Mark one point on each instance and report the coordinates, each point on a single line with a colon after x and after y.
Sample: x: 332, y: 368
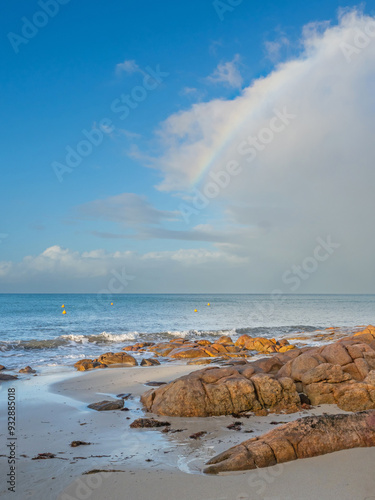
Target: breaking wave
x: 104, y: 338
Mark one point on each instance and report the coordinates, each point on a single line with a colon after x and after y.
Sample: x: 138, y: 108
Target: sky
x: 187, y: 147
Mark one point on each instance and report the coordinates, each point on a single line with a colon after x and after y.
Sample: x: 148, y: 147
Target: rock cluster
x: 341, y: 373
x: 197, y: 351
x: 303, y: 438
x: 224, y: 347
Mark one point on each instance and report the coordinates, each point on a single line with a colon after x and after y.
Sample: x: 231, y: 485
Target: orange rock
x: 286, y: 348
x: 203, y: 342
x: 303, y: 438
x: 186, y: 352
x: 88, y: 364
x: 120, y: 358
x: 241, y: 341
x: 210, y: 351
x: 219, y: 348
x: 225, y: 339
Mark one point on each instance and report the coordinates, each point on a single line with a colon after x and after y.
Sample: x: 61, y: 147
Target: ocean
x: 35, y: 332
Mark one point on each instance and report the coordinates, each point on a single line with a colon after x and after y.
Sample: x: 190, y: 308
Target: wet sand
x: 52, y: 411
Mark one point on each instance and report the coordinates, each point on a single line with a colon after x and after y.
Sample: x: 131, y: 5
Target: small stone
x: 236, y: 426
x: 149, y: 362
x: 198, y: 435
x: 141, y: 423
x: 44, y: 456
x: 74, y: 444
x: 107, y: 405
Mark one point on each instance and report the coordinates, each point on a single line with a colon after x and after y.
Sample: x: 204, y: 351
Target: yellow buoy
x: 111, y: 303
x: 195, y: 310
x: 63, y: 305
x: 208, y: 304
x: 64, y: 312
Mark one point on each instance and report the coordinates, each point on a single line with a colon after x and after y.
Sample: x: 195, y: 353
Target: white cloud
x: 128, y: 66
x: 274, y: 47
x: 58, y: 269
x: 188, y: 91
x: 227, y: 73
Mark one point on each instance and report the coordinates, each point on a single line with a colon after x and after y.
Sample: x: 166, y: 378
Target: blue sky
x: 126, y: 195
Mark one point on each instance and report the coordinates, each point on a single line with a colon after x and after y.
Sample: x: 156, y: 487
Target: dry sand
x: 52, y: 411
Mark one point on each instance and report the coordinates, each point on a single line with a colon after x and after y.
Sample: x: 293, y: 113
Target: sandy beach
x: 52, y: 412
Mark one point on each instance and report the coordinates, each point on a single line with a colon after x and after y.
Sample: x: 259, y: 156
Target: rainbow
x: 230, y: 131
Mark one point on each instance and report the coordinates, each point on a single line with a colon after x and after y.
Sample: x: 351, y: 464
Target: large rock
x: 303, y: 438
x: 117, y: 358
x: 340, y: 373
x: 222, y: 391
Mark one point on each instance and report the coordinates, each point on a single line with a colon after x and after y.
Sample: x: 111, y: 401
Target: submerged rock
x: 303, y: 438
x: 27, y: 369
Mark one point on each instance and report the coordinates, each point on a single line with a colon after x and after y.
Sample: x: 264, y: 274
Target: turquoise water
x: 34, y: 331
